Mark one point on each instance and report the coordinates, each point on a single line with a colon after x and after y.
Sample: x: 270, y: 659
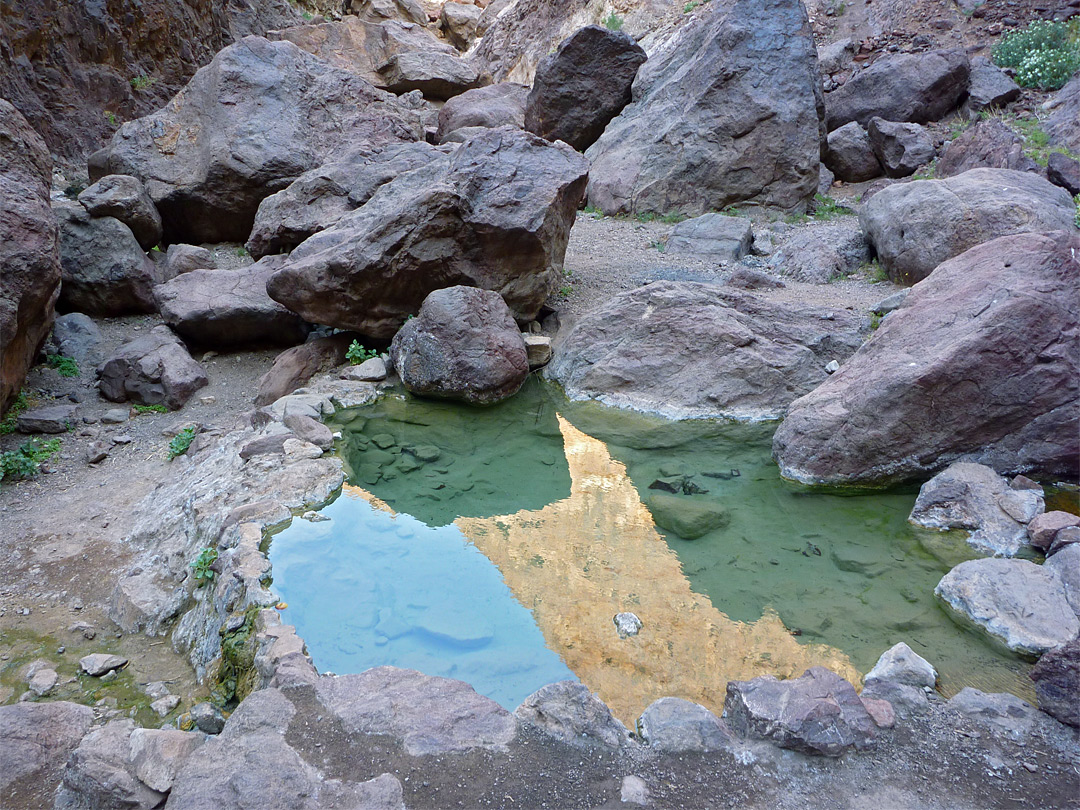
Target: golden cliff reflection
x: 577, y: 562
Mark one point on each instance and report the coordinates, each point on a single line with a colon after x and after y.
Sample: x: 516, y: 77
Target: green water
x: 846, y: 571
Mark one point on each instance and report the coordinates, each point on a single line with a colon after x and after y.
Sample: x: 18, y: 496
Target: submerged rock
x: 463, y: 345
x: 687, y: 518
x: 817, y: 713
x: 971, y: 367
x: 1021, y: 604
x: 974, y: 497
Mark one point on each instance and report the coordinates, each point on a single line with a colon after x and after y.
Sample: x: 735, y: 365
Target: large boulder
x: 437, y: 75
x: 228, y: 308
x: 409, y: 11
x: 1057, y: 683
x: 1063, y: 124
x: 459, y: 22
x: 29, y: 256
x: 728, y: 111
x: 246, y: 125
x: 35, y: 741
x: 76, y: 336
x: 915, y: 87
x: 582, y: 86
x: 496, y: 105
x: 975, y: 498
x: 988, y: 87
x: 817, y: 713
x: 99, y: 773
x: 124, y: 198
x: 980, y: 363
x: 901, y: 664
x: 74, y: 69
x: 989, y: 144
x: 152, y: 370
x: 916, y: 226
x: 688, y: 350
x: 901, y: 148
x: 463, y: 345
x: 850, y: 156
x: 363, y: 46
x: 1019, y: 603
x: 105, y: 271
x: 496, y: 215
x: 319, y: 198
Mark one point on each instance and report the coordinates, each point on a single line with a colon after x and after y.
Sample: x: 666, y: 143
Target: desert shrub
x: 26, y: 461
x: 1044, y: 55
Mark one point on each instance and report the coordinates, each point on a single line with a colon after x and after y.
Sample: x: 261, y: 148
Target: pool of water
x: 495, y: 545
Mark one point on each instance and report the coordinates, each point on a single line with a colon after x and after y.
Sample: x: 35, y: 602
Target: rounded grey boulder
x: 463, y: 345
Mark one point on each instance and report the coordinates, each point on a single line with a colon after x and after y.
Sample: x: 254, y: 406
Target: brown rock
x: 30, y: 279
x: 496, y: 105
x: 1044, y: 528
x: 985, y: 144
x: 973, y: 366
x: 1057, y: 683
x: 294, y: 367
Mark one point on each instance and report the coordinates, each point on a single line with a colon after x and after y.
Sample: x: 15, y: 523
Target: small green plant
x: 26, y: 461
x: 307, y: 15
x: 658, y: 244
x: 181, y: 442
x: 142, y: 82
x: 66, y: 366
x: 875, y: 321
x: 875, y: 272
x: 156, y: 249
x: 592, y: 209
x: 565, y: 290
x: 1043, y: 55
x: 141, y: 409
x: 692, y: 5
x: 826, y: 208
x: 18, y: 405
x: 201, y: 569
x: 357, y: 354
x: 670, y: 218
x: 110, y: 116
x: 241, y: 251
x: 613, y: 22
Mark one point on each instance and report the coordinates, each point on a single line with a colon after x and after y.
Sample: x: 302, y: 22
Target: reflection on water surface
x: 563, y: 501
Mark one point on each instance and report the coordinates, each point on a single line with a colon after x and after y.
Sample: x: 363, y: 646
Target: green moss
x: 236, y: 678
